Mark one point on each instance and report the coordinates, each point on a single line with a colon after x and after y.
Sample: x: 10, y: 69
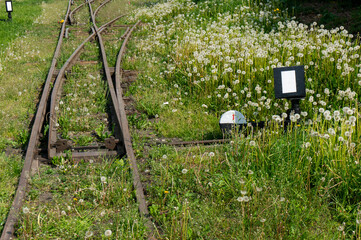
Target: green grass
x: 82, y: 201
x: 10, y: 170
x: 23, y: 15
x: 200, y: 60
x: 27, y: 45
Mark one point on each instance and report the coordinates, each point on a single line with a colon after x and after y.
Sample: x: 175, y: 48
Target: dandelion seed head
x: 108, y: 233
x: 26, y: 210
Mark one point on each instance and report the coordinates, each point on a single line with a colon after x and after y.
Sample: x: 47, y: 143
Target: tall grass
x: 214, y: 56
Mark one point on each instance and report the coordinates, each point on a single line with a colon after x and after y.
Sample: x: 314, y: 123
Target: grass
x: 27, y: 47
x: 82, y: 200
x: 200, y: 60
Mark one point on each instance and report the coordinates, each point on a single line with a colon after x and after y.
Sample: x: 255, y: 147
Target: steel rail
x: 109, y: 79
x: 12, y: 219
x: 143, y: 209
x: 100, y: 6
x: 71, y: 18
x: 58, y: 86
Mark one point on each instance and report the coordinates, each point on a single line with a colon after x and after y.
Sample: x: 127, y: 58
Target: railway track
x: 53, y: 145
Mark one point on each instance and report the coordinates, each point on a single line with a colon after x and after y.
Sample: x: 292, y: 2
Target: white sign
x: 9, y: 7
x: 233, y: 117
x: 289, y: 81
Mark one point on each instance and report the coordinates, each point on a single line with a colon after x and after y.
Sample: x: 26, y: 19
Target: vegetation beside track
x: 27, y: 45
x: 201, y: 58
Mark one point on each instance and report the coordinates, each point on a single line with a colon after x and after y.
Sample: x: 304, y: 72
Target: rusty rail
x: 70, y: 17
x: 58, y: 86
x: 125, y: 145
x: 100, y: 6
x: 143, y: 209
x: 12, y: 219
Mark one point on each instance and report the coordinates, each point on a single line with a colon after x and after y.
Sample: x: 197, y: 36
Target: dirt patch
x: 332, y: 14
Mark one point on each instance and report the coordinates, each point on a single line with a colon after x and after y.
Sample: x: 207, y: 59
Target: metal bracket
x: 111, y: 143
x: 62, y: 145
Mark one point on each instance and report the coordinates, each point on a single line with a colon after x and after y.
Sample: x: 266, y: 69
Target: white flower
x: 26, y: 210
x: 341, y: 228
x: 88, y: 234
x: 108, y: 233
x: 246, y: 199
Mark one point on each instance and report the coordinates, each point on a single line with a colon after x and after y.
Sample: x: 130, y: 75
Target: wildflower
x: 26, y: 210
x: 103, y: 179
x: 331, y: 131
x: 88, y: 234
x: 250, y: 172
x: 63, y: 213
x: 211, y: 154
x: 246, y: 199
x: 108, y: 233
x: 240, y: 199
x: 243, y: 192
x: 341, y: 228
x: 252, y: 143
x: 352, y: 119
x: 262, y: 220
x: 166, y: 192
x: 184, y: 171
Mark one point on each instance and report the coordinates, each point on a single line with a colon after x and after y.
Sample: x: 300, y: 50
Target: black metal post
x: 9, y: 16
x: 295, y: 108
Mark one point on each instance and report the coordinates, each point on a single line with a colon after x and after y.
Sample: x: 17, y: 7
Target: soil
x: 332, y: 14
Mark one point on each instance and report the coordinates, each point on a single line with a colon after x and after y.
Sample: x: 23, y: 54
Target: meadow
x: 202, y: 58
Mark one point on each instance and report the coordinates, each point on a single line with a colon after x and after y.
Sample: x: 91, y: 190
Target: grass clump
x: 85, y: 200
